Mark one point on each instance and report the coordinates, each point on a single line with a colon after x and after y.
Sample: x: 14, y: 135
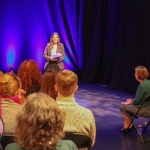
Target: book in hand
x: 56, y: 55
x: 126, y: 103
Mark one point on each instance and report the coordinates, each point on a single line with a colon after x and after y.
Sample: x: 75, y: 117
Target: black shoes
x: 126, y: 130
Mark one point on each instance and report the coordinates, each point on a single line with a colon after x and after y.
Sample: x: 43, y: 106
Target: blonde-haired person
x: 10, y: 94
x: 78, y: 119
x: 54, y: 53
x: 141, y: 75
x: 1, y: 74
x: 30, y: 74
x: 40, y: 126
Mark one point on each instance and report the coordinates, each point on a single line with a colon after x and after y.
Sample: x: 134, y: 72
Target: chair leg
x: 146, y: 126
x: 131, y: 122
x: 140, y: 134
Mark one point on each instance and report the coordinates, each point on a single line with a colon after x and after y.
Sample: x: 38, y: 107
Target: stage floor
x: 104, y: 103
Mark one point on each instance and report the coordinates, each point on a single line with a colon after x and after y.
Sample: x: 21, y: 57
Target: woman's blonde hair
x: 66, y: 81
x: 142, y: 72
x: 9, y: 84
x: 40, y: 123
x: 51, y: 40
x: 1, y: 73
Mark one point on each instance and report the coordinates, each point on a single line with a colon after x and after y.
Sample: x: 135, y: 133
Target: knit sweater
x: 78, y: 118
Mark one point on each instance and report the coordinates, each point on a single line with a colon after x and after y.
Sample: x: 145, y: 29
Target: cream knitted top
x: 78, y: 118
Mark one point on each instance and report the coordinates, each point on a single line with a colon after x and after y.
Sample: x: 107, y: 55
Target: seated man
x: 78, y: 119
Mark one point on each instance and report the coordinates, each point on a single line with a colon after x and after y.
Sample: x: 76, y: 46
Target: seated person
x: 78, y: 119
x: 1, y: 74
x: 40, y: 126
x: 48, y: 82
x: 10, y: 100
x: 30, y: 75
x: 141, y: 75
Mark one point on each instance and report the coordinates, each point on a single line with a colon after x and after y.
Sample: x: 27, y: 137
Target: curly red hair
x: 29, y: 73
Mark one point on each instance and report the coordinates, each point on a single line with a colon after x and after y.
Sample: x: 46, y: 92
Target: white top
x: 53, y: 51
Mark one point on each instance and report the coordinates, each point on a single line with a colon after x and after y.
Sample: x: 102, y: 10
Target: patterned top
x: 78, y: 118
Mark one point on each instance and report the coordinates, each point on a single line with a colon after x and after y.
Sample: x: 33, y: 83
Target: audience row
x: 42, y: 108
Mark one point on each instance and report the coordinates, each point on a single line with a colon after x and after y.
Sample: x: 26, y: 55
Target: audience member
x: 1, y: 74
x: 141, y: 75
x: 48, y: 82
x: 30, y: 75
x: 40, y: 126
x: 10, y: 94
x: 78, y: 119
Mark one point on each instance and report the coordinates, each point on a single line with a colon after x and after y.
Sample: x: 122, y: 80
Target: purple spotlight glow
x: 11, y: 45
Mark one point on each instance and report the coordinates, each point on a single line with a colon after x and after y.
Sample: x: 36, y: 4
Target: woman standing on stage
x: 54, y: 53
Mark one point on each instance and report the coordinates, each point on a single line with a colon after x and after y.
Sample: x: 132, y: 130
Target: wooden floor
x: 104, y: 103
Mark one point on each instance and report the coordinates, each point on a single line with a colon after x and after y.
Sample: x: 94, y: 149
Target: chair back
x: 6, y: 140
x: 145, y: 100
x: 81, y: 140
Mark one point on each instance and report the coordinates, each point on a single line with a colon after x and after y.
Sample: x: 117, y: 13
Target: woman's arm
x: 46, y: 56
x: 139, y: 95
x: 61, y: 51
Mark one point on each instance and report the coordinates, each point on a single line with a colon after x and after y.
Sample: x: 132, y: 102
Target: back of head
x: 142, y: 72
x: 29, y: 72
x: 48, y: 82
x: 40, y: 123
x: 1, y: 74
x: 9, y: 84
x: 66, y: 81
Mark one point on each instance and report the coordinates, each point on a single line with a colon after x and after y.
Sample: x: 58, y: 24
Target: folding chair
x: 145, y: 100
x: 82, y: 141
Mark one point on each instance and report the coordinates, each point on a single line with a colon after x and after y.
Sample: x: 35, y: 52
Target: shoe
x: 133, y: 127
x: 126, y: 130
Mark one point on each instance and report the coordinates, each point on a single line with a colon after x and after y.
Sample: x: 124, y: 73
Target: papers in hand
x: 56, y: 55
x: 125, y: 103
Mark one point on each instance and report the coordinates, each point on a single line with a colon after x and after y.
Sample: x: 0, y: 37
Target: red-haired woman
x: 30, y: 75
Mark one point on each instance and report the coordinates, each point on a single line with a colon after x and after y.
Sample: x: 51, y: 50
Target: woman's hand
x: 129, y: 100
x: 53, y: 59
x: 21, y: 94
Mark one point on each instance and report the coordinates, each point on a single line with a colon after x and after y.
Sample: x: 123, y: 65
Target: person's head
x: 48, y: 82
x: 66, y: 82
x: 1, y: 74
x: 55, y: 38
x: 9, y: 85
x: 141, y: 73
x: 29, y: 73
x: 40, y: 123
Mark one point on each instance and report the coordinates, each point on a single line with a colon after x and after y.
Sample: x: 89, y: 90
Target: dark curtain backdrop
x: 116, y: 40
x: 104, y: 39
